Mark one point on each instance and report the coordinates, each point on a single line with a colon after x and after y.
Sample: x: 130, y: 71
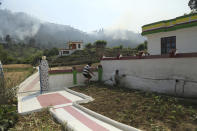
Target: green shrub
x: 8, y: 116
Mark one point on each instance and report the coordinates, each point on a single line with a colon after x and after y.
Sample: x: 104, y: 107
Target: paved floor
x: 61, y: 103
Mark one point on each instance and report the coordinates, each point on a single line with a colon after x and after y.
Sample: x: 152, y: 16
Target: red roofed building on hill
x: 72, y: 46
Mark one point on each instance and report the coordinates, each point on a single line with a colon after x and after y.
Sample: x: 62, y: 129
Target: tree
x: 100, y: 44
x: 88, y: 46
x: 142, y: 46
x: 32, y: 42
x: 34, y: 60
x: 51, y: 52
x: 8, y: 39
x: 121, y: 47
x: 193, y: 4
x: 3, y: 55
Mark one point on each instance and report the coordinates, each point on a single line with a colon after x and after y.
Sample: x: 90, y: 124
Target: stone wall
x: 173, y: 76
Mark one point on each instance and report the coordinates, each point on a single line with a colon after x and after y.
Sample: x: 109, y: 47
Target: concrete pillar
x: 74, y: 75
x: 100, y: 73
x: 1, y: 74
x: 44, y: 76
x: 2, y: 84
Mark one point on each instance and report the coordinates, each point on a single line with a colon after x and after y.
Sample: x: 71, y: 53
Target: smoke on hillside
x: 23, y: 27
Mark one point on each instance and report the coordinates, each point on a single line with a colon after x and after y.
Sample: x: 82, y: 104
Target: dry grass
x: 16, y: 73
x: 146, y: 111
x: 40, y: 121
x: 14, y: 78
x: 17, y: 66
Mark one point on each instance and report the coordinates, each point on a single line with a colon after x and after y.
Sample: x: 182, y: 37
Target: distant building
x: 72, y: 46
x: 176, y: 34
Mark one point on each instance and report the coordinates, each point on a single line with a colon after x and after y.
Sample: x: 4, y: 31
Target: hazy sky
x: 89, y: 15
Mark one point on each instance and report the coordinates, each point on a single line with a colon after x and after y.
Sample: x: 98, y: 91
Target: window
x: 79, y: 46
x: 65, y: 52
x: 167, y: 44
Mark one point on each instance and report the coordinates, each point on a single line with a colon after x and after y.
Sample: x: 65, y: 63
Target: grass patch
x: 13, y: 77
x: 8, y: 116
x: 39, y: 121
x: 146, y: 111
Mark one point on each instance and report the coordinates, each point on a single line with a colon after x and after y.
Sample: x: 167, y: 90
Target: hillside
x: 24, y: 28
x: 19, y: 53
x: 92, y: 55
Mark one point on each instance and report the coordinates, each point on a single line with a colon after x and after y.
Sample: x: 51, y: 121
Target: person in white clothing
x: 116, y: 77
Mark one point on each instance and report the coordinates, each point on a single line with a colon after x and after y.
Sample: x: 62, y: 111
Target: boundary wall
x: 59, y: 79
x: 172, y: 75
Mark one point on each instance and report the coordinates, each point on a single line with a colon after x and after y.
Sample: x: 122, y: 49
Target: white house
x: 72, y: 46
x: 161, y: 72
x: 179, y: 33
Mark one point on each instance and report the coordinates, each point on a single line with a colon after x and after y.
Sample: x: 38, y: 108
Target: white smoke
x: 122, y: 29
x: 18, y: 25
x: 21, y: 26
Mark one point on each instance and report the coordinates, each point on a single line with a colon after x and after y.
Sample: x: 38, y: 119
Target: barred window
x: 167, y: 44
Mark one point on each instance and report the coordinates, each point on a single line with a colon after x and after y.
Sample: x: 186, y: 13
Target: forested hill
x: 23, y: 28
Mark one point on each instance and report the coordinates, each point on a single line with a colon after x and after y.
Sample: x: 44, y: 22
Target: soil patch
x: 145, y: 111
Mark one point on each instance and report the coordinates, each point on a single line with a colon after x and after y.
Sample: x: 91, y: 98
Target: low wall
x: 59, y: 79
x: 173, y: 76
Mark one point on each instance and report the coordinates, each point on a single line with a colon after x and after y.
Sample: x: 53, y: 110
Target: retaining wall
x: 174, y: 76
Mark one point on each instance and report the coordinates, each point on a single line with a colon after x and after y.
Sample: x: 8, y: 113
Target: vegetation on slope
x: 93, y: 53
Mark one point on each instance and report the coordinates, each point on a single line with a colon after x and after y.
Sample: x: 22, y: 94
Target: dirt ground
x: 145, y: 111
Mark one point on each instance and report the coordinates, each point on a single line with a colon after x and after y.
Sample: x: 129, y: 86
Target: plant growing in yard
x: 8, y: 116
x: 41, y: 121
x: 143, y: 110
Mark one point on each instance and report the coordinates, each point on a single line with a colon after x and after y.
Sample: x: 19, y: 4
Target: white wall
x: 59, y: 81
x: 81, y: 48
x: 157, y: 75
x: 70, y: 52
x: 186, y: 40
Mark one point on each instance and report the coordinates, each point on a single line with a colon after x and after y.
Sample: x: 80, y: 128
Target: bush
x: 8, y: 116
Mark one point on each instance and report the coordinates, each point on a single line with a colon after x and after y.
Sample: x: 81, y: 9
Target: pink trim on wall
x: 68, y: 71
x: 180, y: 55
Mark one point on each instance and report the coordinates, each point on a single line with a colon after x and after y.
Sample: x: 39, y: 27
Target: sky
x: 90, y: 15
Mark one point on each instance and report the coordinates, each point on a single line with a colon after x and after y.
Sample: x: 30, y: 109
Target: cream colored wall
x: 60, y: 81
x: 174, y: 76
x: 81, y: 46
x: 186, y: 40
